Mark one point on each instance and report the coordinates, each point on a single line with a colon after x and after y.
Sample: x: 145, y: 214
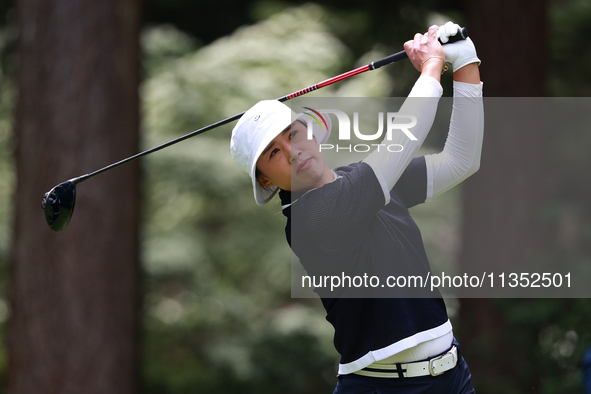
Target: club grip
x: 387, y: 60
x: 462, y: 34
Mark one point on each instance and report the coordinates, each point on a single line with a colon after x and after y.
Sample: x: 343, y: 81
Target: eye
x: 292, y: 134
x: 273, y: 152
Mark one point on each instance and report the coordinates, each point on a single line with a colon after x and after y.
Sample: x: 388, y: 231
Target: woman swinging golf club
x: 357, y: 216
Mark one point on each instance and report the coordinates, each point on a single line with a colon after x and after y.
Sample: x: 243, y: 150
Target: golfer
x: 357, y: 216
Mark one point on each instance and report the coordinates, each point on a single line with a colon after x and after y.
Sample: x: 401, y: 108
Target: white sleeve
x: 422, y: 103
x: 460, y: 157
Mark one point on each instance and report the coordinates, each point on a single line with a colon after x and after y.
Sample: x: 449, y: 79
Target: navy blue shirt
x: 344, y: 228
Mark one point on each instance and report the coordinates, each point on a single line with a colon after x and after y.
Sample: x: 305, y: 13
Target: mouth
x: 304, y: 165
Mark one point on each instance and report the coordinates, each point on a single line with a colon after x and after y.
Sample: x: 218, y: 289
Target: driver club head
x: 58, y: 205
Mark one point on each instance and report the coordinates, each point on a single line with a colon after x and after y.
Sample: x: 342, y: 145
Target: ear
x: 264, y: 181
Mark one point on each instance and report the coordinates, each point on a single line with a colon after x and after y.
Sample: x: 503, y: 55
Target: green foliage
x: 570, y: 55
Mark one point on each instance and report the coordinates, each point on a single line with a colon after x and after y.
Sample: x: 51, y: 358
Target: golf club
x: 58, y: 203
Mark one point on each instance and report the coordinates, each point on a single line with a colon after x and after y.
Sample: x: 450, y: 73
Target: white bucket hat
x: 259, y: 126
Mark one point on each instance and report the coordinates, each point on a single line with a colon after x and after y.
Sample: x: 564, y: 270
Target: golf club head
x: 58, y: 204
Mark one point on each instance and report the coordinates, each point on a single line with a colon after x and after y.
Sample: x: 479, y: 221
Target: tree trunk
x: 502, y: 202
x: 74, y: 295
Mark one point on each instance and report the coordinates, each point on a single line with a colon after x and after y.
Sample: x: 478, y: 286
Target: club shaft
x: 463, y: 34
x: 330, y: 81
x: 159, y: 147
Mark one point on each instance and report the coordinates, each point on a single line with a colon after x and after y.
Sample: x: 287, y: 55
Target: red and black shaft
x: 462, y: 35
x: 58, y: 203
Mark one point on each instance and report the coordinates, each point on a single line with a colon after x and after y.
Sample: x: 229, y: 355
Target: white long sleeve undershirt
x: 461, y: 155
x: 422, y: 103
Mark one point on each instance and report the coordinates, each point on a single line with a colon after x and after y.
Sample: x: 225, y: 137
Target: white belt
x: 435, y: 366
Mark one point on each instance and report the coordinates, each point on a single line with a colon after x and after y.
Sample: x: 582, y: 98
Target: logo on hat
x: 315, y: 118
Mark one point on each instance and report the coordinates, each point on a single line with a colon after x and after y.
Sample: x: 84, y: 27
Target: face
x: 293, y: 162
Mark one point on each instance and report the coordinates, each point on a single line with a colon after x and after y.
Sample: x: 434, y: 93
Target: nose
x: 294, y: 152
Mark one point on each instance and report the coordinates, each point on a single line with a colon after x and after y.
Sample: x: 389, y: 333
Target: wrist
x: 433, y: 67
x: 468, y: 74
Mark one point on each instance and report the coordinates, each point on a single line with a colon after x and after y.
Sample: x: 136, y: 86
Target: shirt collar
x: 288, y: 198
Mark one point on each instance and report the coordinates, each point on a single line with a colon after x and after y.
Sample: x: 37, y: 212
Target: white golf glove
x: 460, y: 53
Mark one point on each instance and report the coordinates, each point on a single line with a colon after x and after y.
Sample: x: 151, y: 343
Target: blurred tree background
x: 217, y: 314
